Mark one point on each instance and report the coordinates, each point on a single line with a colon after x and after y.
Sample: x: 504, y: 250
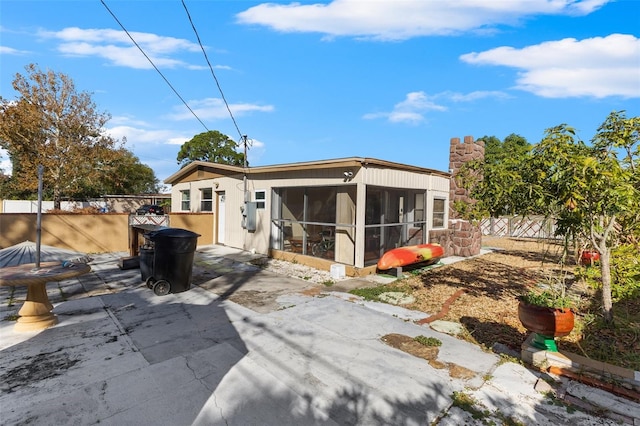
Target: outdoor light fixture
x: 348, y: 174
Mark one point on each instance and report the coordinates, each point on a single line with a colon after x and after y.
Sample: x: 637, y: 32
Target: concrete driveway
x: 308, y: 355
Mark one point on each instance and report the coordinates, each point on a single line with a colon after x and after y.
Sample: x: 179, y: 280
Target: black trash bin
x: 173, y: 253
x: 146, y: 262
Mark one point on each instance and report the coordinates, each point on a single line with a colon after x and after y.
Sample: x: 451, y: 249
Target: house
x: 348, y: 210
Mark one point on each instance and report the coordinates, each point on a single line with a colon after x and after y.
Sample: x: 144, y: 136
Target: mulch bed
x: 488, y: 307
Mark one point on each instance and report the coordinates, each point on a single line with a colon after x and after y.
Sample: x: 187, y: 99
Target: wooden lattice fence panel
x: 518, y: 227
x: 158, y: 220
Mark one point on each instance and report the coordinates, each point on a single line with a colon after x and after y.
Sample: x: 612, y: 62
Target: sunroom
x: 348, y: 211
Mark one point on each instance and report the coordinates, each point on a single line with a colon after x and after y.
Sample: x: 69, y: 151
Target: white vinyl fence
x: 519, y: 227
x: 31, y: 206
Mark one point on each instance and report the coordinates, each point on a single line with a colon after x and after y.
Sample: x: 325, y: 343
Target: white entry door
x: 221, y: 218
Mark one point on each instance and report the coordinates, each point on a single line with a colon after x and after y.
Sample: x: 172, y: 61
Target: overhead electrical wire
x: 154, y: 66
x: 212, y: 72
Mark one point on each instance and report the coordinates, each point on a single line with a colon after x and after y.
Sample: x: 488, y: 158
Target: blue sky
x: 388, y: 79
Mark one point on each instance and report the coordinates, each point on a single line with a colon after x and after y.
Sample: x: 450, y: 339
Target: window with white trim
x: 206, y: 200
x: 260, y: 197
x: 185, y: 201
x: 438, y: 212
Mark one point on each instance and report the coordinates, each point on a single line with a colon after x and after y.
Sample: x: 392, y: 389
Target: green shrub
x: 625, y: 273
x: 547, y: 299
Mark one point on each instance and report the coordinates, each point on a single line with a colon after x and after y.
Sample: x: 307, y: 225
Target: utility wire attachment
x: 213, y: 73
x: 154, y: 65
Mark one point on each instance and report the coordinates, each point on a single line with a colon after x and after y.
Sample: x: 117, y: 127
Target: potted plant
x: 547, y: 311
x: 589, y: 257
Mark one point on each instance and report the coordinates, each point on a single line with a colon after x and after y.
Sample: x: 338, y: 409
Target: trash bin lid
x: 171, y: 233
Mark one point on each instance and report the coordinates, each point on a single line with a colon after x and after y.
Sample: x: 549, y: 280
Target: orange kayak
x: 409, y: 255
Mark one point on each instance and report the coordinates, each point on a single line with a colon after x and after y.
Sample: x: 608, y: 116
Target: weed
x: 428, y: 341
x: 504, y: 358
x: 328, y: 283
x: 281, y: 308
x: 11, y: 318
x: 468, y: 403
x: 508, y: 421
x: 11, y: 297
x: 62, y: 295
x: 553, y: 400
x: 373, y: 293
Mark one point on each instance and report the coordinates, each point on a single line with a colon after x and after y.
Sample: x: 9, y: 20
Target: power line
x: 154, y: 65
x: 213, y: 73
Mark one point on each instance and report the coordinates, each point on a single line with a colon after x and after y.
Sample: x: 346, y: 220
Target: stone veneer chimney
x: 462, y: 238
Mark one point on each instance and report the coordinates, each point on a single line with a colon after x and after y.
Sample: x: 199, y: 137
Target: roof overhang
x: 227, y: 170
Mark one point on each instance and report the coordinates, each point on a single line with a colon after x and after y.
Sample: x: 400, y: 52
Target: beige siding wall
x: 233, y: 188
x: 396, y: 178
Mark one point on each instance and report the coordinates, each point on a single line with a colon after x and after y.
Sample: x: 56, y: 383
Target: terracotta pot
x: 551, y: 322
x: 589, y: 257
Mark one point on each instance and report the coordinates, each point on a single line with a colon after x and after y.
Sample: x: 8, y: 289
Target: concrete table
x: 36, y: 312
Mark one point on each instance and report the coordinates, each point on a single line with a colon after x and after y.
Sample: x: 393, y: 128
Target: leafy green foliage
x: 625, y: 273
x: 53, y: 125
x: 592, y: 193
x: 496, y: 183
x: 547, y: 299
x: 129, y: 176
x: 211, y: 146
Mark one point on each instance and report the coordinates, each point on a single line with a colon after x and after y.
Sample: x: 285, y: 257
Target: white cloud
x: 256, y: 151
x: 595, y: 67
x: 116, y: 47
x: 215, y: 109
x: 128, y: 120
x: 474, y: 96
x: 416, y: 104
x: 400, y: 20
x: 5, y: 50
x: 410, y: 110
x: 137, y: 136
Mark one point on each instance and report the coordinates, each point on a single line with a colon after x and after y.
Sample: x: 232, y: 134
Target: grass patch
x: 428, y: 341
x: 616, y: 343
x: 373, y: 293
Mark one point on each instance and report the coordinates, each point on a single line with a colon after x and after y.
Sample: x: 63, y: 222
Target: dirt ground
x: 487, y: 305
x: 480, y: 293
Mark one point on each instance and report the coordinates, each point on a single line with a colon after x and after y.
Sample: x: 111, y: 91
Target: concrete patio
x: 297, y: 353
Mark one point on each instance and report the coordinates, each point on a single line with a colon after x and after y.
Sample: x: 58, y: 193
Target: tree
x: 496, y: 181
x: 588, y: 188
x: 53, y: 125
x: 211, y: 146
x: 129, y: 176
x: 590, y: 192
